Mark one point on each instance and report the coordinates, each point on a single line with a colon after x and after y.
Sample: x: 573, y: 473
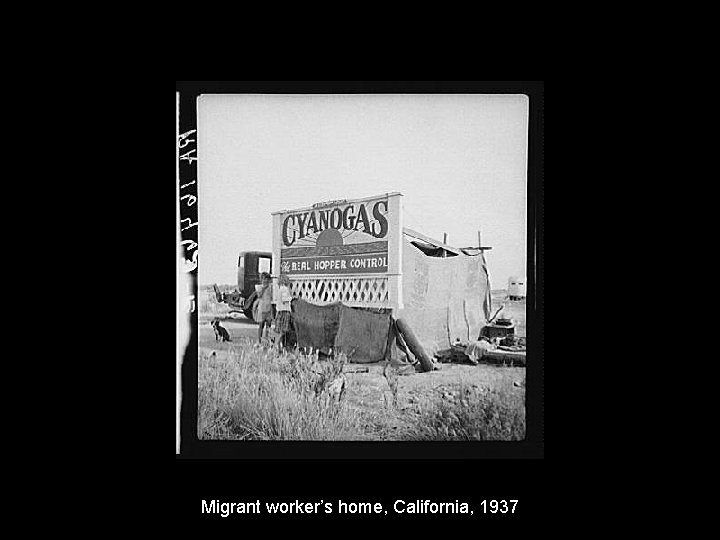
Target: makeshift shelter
x: 446, y: 295
x: 354, y: 268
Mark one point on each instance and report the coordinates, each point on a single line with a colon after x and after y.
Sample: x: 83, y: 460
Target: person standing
x: 284, y: 314
x: 264, y: 311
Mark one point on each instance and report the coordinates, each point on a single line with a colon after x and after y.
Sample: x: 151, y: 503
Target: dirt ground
x: 369, y: 392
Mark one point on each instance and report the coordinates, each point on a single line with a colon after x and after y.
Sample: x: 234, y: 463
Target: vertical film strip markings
x: 188, y: 211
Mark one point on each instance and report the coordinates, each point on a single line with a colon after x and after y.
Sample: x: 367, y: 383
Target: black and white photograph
x: 361, y: 267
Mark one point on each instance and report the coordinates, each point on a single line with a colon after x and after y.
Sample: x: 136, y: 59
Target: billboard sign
x: 339, y: 237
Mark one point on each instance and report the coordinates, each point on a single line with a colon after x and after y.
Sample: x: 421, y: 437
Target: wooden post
x: 395, y: 249
x: 444, y: 242
x: 479, y: 240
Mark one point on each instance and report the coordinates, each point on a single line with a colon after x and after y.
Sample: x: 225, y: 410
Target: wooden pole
x: 479, y: 240
x: 444, y: 242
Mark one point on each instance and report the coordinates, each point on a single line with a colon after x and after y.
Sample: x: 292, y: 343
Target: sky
x: 459, y: 160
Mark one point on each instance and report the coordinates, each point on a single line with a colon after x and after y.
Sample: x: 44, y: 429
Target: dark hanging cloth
x: 362, y: 335
x: 315, y: 326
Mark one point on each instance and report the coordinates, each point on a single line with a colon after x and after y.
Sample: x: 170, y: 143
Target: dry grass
x: 250, y: 392
x: 475, y: 415
x: 254, y: 393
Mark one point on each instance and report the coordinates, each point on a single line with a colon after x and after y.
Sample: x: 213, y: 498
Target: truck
x: 251, y: 265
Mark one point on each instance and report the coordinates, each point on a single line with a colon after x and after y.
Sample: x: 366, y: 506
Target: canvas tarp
x: 362, y: 335
x: 444, y: 299
x: 315, y: 326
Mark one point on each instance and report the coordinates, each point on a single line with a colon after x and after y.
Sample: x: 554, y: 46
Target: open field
x: 248, y: 391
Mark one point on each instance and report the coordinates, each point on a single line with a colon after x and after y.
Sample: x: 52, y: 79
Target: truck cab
x: 251, y: 265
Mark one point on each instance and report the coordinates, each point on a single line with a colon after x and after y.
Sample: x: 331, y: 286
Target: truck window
x: 263, y: 265
x: 241, y: 261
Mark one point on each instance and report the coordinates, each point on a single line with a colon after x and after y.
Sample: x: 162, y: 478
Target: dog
x: 221, y: 334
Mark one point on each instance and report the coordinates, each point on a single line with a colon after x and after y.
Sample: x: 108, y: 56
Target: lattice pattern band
x: 351, y: 291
